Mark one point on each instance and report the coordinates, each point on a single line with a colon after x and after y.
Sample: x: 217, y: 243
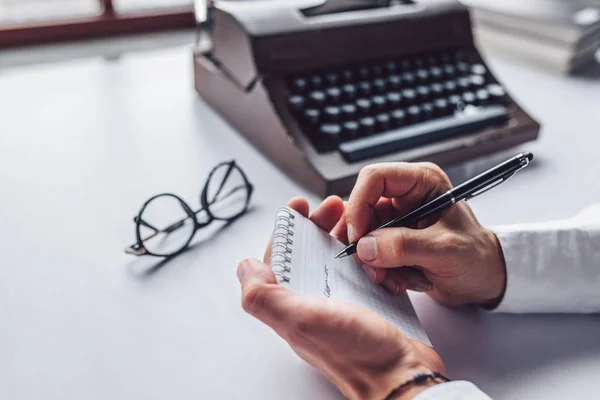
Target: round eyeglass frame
x: 139, y: 249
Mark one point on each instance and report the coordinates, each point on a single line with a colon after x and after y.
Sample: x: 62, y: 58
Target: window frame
x: 109, y: 23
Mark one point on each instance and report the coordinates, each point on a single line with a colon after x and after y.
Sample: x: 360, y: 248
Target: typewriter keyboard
x: 367, y: 111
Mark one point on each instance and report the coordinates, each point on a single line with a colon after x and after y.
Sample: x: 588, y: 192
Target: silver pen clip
x: 492, y: 185
x: 500, y: 181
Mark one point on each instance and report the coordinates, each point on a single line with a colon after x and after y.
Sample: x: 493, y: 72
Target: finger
x: 410, y: 182
x: 262, y: 296
x: 339, y: 230
x: 267, y: 256
x: 387, y: 209
x: 300, y: 204
x: 377, y: 275
x: 457, y: 217
x: 393, y: 247
x: 445, y: 298
x: 384, y: 212
x: 395, y: 287
x: 327, y: 215
x: 411, y: 278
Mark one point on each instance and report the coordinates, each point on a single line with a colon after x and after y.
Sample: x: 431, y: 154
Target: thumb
x: 394, y: 247
x: 262, y: 296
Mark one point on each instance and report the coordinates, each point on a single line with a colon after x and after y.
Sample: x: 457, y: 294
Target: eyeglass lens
x: 166, y: 226
x: 227, y: 192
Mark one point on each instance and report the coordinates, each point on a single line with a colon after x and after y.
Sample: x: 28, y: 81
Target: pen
x: 468, y: 190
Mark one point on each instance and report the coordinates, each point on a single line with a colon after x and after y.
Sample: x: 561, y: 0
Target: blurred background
x: 558, y: 35
x: 24, y: 11
x: 30, y: 22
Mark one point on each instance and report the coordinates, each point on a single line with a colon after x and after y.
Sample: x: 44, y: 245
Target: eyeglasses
x: 225, y: 197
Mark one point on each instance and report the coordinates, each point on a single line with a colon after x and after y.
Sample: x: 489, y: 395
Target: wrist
x: 414, y: 371
x: 413, y: 382
x: 497, y: 275
x: 414, y: 390
x: 381, y: 385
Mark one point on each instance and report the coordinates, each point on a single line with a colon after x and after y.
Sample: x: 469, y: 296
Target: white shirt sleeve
x: 552, y: 266
x: 455, y: 390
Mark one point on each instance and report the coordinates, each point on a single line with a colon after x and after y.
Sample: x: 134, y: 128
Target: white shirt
x: 551, y: 267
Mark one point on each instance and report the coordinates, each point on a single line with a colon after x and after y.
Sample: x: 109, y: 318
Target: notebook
x: 303, y: 259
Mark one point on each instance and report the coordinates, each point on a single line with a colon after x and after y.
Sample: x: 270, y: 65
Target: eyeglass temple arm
x: 144, y: 223
x: 135, y: 248
x: 171, y: 228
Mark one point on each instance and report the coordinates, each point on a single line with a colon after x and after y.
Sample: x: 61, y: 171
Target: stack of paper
x: 561, y: 35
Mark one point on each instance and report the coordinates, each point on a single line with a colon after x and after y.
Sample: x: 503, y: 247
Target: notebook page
x: 315, y: 272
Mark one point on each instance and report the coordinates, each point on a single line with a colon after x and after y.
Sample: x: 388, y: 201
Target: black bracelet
x: 417, y: 379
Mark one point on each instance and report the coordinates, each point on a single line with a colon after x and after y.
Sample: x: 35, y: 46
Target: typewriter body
x: 324, y: 88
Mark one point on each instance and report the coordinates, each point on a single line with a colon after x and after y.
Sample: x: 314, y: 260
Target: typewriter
x: 324, y: 88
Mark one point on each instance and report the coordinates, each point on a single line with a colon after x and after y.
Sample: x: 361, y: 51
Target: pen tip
x: 340, y: 254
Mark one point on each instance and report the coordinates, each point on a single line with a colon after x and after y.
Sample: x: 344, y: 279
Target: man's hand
x: 458, y: 260
x: 361, y: 353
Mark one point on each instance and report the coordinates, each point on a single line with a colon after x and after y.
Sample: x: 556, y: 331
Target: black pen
x: 471, y: 188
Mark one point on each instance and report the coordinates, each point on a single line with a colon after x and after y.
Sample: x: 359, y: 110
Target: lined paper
x: 315, y: 272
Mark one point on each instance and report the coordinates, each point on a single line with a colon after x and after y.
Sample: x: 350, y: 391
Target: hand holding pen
x: 459, y: 261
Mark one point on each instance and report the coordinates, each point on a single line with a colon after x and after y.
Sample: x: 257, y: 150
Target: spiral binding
x: 283, y: 240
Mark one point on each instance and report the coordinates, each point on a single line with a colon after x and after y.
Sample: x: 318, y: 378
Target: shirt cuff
x: 552, y: 266
x: 455, y: 390
x: 515, y: 248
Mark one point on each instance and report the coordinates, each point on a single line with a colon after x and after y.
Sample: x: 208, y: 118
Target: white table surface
x: 83, y: 143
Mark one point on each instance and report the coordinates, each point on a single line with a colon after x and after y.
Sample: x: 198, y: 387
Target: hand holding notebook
x: 363, y: 354
x: 303, y: 259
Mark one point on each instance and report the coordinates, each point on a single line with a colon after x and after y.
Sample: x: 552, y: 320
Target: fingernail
x: 391, y: 286
x: 367, y: 248
x: 351, y: 233
x: 369, y: 271
x: 422, y: 287
x: 241, y: 270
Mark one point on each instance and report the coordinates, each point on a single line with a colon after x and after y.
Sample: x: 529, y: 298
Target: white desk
x: 84, y: 143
